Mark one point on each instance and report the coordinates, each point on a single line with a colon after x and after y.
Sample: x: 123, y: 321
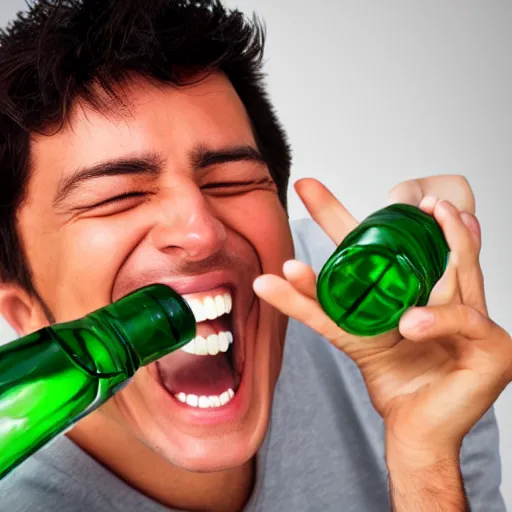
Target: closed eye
x: 226, y: 184
x: 118, y: 198
x: 231, y: 184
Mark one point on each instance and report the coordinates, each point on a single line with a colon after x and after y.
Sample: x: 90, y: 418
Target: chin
x: 215, y: 439
x: 213, y: 455
x: 206, y: 407
x: 211, y: 399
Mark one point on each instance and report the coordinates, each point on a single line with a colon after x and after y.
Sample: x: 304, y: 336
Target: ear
x: 21, y: 310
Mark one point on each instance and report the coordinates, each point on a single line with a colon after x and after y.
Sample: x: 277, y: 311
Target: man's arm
x: 426, y: 485
x: 470, y: 483
x: 433, y: 378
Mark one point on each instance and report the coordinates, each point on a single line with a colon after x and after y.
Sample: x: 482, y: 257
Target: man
x: 138, y: 146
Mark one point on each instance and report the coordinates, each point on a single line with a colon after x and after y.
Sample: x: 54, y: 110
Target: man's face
x: 170, y: 190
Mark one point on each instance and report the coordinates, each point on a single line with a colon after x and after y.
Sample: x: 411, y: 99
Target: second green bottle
x: 389, y: 263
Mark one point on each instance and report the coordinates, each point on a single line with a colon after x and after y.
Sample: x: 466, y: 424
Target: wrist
x: 418, y: 459
x: 418, y: 453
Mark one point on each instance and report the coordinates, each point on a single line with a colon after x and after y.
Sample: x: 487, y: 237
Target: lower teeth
x: 205, y: 402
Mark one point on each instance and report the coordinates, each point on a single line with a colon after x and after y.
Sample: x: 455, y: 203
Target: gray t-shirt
x: 323, y: 451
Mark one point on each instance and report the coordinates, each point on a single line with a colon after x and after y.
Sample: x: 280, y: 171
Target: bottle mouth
x: 180, y: 316
x: 366, y: 289
x: 386, y: 265
x: 164, y: 323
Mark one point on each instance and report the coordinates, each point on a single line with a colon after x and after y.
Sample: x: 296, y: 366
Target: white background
x: 374, y: 93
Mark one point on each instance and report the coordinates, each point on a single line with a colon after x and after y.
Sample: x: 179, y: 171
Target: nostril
x: 195, y: 231
x: 205, y: 227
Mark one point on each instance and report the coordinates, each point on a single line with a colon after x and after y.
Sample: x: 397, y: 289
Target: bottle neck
x: 132, y: 332
x: 152, y: 322
x: 93, y: 344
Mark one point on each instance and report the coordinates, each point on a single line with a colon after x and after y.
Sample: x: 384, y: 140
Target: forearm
x: 436, y: 486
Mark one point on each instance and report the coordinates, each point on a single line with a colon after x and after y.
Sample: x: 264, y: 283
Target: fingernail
x: 419, y: 320
x: 428, y: 202
x: 447, y: 206
x: 288, y: 265
x: 257, y: 284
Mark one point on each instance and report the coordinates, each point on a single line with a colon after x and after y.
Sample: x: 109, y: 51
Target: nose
x: 187, y: 222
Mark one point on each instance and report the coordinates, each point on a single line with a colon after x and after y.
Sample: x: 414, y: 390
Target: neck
x: 149, y: 473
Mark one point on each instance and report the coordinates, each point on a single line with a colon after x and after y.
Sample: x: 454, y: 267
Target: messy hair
x: 61, y: 51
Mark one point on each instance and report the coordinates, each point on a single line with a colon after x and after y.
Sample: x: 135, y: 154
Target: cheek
x: 261, y: 219
x: 89, y: 255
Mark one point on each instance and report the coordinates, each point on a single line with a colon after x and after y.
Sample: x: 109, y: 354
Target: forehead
x: 155, y: 117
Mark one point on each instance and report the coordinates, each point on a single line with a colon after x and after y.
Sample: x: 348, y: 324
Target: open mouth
x: 206, y: 373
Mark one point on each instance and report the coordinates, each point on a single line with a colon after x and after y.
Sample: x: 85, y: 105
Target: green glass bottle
x: 54, y: 377
x: 389, y: 263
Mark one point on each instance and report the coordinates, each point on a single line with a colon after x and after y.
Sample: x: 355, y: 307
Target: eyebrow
x: 151, y: 164
x: 203, y: 157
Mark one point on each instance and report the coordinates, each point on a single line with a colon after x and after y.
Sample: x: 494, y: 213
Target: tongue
x: 197, y: 375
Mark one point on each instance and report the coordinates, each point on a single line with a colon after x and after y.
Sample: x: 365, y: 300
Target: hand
x: 435, y: 376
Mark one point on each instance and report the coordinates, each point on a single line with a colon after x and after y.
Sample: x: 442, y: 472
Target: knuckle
x: 452, y: 187
x: 508, y: 369
x: 408, y: 191
x: 473, y: 320
x: 466, y: 195
x: 503, y: 353
x: 465, y: 258
x: 464, y: 247
x: 462, y: 182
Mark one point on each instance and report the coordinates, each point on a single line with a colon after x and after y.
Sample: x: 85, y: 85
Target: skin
x: 434, y: 377
x: 181, y: 228
x: 186, y: 225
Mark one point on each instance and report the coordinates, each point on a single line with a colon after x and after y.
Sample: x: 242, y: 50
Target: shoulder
x: 38, y: 488
x: 43, y: 483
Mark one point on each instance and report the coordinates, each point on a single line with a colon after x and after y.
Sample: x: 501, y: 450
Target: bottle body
x: 52, y: 378
x: 389, y: 263
x: 42, y: 393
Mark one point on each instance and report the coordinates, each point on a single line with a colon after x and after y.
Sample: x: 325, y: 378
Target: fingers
x: 443, y: 322
x: 473, y: 225
x: 407, y: 192
x: 325, y: 209
x: 477, y: 340
x: 428, y: 203
x: 454, y: 188
x: 446, y: 289
x: 282, y: 295
x: 301, y: 276
x: 465, y: 246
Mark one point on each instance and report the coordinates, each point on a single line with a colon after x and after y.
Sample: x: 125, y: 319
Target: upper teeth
x: 210, y: 307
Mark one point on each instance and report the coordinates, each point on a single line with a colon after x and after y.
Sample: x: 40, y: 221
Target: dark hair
x: 62, y: 50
